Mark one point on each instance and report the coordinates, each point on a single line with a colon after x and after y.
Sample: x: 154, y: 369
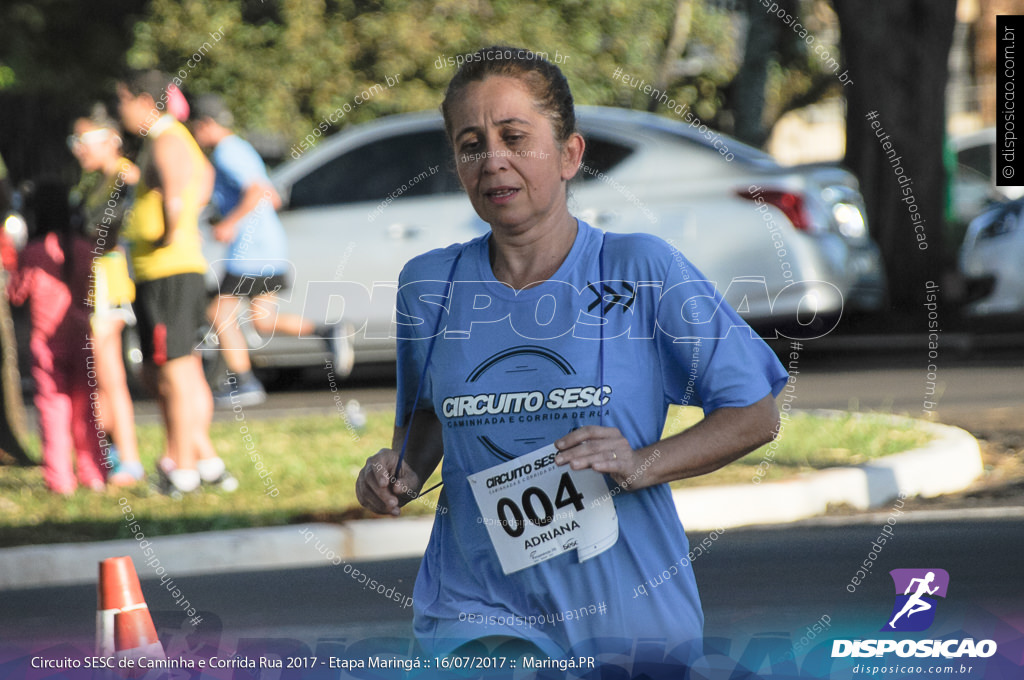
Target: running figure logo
x: 916, y: 589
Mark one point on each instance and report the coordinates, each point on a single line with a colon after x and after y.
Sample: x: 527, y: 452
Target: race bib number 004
x: 535, y: 510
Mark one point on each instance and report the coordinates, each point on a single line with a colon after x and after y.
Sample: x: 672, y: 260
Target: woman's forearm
x: 425, y: 446
x: 723, y: 436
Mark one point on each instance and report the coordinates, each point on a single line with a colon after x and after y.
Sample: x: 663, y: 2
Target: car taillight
x: 791, y: 205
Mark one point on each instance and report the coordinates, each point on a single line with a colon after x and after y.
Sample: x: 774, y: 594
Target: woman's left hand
x: 603, y: 449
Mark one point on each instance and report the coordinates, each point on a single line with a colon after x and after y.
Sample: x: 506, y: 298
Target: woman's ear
x: 572, y: 155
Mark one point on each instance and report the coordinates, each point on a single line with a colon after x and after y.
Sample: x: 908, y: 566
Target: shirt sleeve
x: 710, y: 356
x: 240, y: 163
x: 419, y: 316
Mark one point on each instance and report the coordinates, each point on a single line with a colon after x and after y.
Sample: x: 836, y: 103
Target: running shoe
x: 166, y: 487
x: 226, y: 482
x: 339, y: 342
x: 247, y: 393
x: 126, y: 474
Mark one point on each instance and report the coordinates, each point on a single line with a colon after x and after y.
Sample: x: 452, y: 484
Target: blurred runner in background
x: 103, y: 195
x: 52, y: 275
x: 256, y: 263
x: 163, y: 230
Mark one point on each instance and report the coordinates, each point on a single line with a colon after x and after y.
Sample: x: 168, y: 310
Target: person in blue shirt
x: 256, y: 265
x: 540, y: 361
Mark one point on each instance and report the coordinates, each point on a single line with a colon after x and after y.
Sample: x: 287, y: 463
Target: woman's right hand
x: 377, y: 488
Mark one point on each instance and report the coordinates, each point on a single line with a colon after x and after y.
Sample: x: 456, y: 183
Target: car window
x: 978, y: 158
x: 397, y: 166
x: 972, y: 194
x: 601, y: 155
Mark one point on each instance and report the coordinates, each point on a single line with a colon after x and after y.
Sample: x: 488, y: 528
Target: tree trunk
x: 674, y: 48
x: 897, y: 55
x: 748, y: 87
x: 13, y: 422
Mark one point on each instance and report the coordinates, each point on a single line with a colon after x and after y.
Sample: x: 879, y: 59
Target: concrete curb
x: 949, y: 463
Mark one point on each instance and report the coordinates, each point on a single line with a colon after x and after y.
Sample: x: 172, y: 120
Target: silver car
x: 990, y: 262
x: 788, y: 246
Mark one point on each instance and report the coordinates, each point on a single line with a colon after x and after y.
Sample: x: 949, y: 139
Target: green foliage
x: 798, y: 70
x: 286, y: 64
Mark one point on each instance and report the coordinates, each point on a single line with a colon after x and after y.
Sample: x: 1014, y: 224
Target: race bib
x: 535, y: 510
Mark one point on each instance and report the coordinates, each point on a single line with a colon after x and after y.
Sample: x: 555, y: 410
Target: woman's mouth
x: 501, y: 195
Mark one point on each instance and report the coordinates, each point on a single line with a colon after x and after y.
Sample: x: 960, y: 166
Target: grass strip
x: 312, y: 463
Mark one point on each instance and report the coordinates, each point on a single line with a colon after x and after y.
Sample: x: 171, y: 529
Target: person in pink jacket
x: 52, y: 275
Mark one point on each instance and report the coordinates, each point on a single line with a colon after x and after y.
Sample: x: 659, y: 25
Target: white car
x: 990, y: 261
x: 974, y: 190
x: 977, y: 151
x: 788, y: 246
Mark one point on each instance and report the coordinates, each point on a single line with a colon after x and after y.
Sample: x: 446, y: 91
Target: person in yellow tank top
x: 163, y: 234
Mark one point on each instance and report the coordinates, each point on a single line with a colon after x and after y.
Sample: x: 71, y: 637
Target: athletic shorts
x: 112, y: 289
x: 172, y: 316
x: 252, y: 285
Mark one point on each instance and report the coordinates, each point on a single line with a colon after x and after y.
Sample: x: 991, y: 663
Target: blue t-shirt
x: 667, y: 341
x: 259, y: 247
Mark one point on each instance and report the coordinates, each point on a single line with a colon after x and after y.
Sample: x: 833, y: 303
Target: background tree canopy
x: 285, y: 65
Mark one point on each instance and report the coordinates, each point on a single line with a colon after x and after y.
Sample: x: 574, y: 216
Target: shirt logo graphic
x: 916, y: 590
x: 612, y: 296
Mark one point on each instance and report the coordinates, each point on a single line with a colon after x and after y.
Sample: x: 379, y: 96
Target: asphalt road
x: 753, y: 582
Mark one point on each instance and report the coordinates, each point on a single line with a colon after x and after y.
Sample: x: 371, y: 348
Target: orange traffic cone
x: 118, y: 592
x: 135, y: 637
